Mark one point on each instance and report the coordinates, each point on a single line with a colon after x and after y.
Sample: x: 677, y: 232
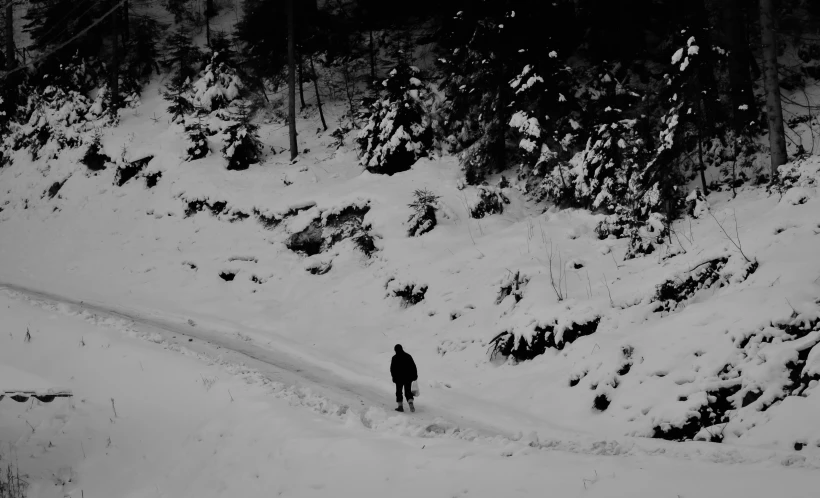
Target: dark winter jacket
x: 402, y: 367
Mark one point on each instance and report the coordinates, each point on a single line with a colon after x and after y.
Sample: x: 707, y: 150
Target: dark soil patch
x: 94, y: 158
x: 227, y: 276
x: 601, y: 402
x: 318, y: 237
x: 152, y: 179
x: 309, y: 241
x: 54, y: 189
x: 714, y: 412
x: 198, y: 205
x: 129, y: 171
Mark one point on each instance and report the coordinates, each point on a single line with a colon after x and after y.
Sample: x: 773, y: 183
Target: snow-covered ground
x: 185, y: 426
x: 290, y: 368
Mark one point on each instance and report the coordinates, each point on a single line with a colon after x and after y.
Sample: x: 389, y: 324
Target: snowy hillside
x: 672, y: 345
x: 225, y: 316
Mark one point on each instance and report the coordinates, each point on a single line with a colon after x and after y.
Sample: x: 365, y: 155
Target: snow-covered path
x: 275, y: 364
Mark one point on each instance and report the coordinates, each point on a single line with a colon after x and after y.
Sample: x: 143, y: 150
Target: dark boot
x: 400, y: 408
x: 412, y: 408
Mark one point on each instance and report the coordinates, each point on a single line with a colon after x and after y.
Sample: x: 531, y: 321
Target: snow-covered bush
x: 218, y: 86
x: 241, y: 147
x: 555, y: 334
x: 398, y: 130
x: 487, y: 200
x: 410, y: 292
x: 423, y: 218
x: 94, y: 158
x: 197, y: 147
x: 696, y: 203
x: 512, y: 285
x: 799, y: 173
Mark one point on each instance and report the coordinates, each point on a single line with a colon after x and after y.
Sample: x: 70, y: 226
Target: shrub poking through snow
x: 423, y: 218
x: 317, y: 265
x: 242, y: 146
x: 94, y: 158
x: 541, y: 338
x: 398, y: 131
x: 512, y: 285
x: 488, y: 200
x: 411, y: 293
x: 696, y: 203
x: 197, y: 147
x: 675, y: 291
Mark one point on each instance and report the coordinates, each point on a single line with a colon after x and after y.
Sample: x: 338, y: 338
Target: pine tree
x: 182, y: 56
x: 398, y: 130
x: 476, y: 84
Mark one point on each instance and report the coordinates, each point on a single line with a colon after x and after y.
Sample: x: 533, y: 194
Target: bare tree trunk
x: 301, y: 84
x: 115, y: 64
x: 318, y: 97
x: 701, y: 166
x: 209, y: 13
x: 294, y: 148
x: 126, y: 31
x: 11, y: 61
x: 372, y: 60
x: 740, y: 78
x: 777, y: 136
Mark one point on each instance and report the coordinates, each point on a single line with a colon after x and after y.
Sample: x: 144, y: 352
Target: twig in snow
x: 27, y: 337
x: 114, y: 408
x: 82, y: 448
x: 32, y: 427
x: 229, y: 394
x: 675, y: 233
x: 737, y: 234
x: 82, y: 342
x: 611, y: 303
x: 794, y: 311
x: 614, y: 260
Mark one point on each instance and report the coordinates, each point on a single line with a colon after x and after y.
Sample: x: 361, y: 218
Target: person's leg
x: 408, y: 393
x: 400, y: 408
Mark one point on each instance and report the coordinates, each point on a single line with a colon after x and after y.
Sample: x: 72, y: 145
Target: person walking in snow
x: 403, y: 371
